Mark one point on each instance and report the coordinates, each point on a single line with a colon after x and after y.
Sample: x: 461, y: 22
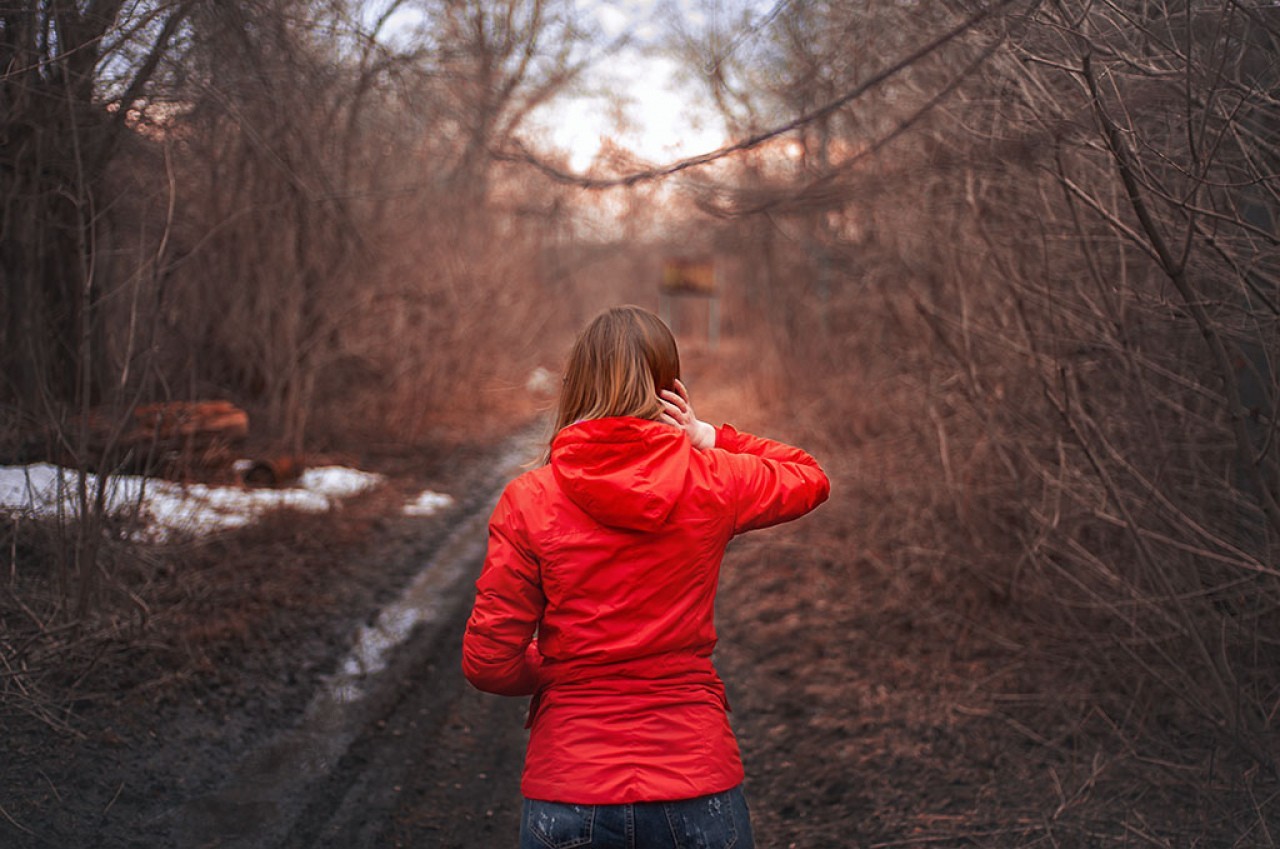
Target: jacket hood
x: 623, y: 472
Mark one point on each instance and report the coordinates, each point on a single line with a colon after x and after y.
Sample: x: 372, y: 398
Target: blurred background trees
x: 1013, y: 266
x: 73, y: 74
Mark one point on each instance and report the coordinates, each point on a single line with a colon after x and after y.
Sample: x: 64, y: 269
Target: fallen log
x: 171, y: 423
x: 174, y: 438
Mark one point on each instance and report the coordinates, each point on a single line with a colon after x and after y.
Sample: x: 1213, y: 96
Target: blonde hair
x: 617, y: 366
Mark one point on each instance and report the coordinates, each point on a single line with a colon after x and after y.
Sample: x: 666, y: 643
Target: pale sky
x: 660, y: 118
x: 632, y: 95
x: 660, y: 121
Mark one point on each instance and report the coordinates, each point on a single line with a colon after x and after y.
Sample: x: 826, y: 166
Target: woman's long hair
x: 617, y: 366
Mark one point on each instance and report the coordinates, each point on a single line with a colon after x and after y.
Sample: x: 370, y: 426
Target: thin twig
x: 15, y: 823
x: 113, y: 799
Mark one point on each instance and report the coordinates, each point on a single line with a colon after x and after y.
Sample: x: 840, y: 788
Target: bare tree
x: 73, y: 76
x: 1062, y: 225
x: 1166, y: 104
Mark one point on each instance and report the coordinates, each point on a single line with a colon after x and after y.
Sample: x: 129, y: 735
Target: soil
x: 224, y: 721
x: 869, y: 715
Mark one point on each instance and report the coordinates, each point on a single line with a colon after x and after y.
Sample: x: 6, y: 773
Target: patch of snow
x: 374, y: 642
x: 337, y: 481
x: 17, y: 481
x: 44, y: 490
x: 427, y: 503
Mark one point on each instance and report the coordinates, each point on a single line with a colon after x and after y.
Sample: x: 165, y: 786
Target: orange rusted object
x: 176, y: 421
x: 179, y: 439
x: 274, y: 471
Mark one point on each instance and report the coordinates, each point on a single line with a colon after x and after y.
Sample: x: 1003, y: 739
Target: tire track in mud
x: 439, y: 768
x: 396, y: 749
x: 441, y: 771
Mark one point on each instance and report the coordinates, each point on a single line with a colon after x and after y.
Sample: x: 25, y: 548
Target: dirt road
x: 403, y: 755
x: 313, y: 699
x: 354, y: 729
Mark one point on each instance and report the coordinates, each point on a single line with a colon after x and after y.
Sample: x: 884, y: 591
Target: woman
x: 611, y: 555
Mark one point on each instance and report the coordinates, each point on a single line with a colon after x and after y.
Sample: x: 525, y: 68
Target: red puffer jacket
x: 611, y: 553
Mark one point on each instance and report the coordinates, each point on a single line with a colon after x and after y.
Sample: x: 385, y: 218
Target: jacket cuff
x: 727, y: 439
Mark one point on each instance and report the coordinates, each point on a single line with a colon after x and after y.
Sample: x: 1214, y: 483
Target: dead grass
x: 903, y: 677
x: 880, y: 706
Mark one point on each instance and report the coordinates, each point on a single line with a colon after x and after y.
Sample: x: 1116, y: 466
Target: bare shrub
x: 1034, y: 284
x: 71, y: 78
x: 263, y: 202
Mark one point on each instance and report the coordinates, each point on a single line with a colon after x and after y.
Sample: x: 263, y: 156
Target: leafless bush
x: 71, y: 76
x: 343, y: 251
x: 265, y: 202
x: 1040, y: 275
x: 1148, y: 482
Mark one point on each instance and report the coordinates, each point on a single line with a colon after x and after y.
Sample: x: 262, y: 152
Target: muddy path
x: 394, y: 735
x: 354, y: 729
x: 395, y: 748
x: 442, y: 770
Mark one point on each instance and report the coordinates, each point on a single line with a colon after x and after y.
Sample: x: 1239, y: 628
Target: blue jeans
x: 718, y: 821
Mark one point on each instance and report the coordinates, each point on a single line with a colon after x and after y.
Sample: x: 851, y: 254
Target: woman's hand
x: 679, y: 413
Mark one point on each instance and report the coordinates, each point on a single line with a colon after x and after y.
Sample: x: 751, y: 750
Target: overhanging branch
x: 520, y: 153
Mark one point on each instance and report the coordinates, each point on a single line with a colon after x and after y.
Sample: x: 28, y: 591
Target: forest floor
x: 870, y: 711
